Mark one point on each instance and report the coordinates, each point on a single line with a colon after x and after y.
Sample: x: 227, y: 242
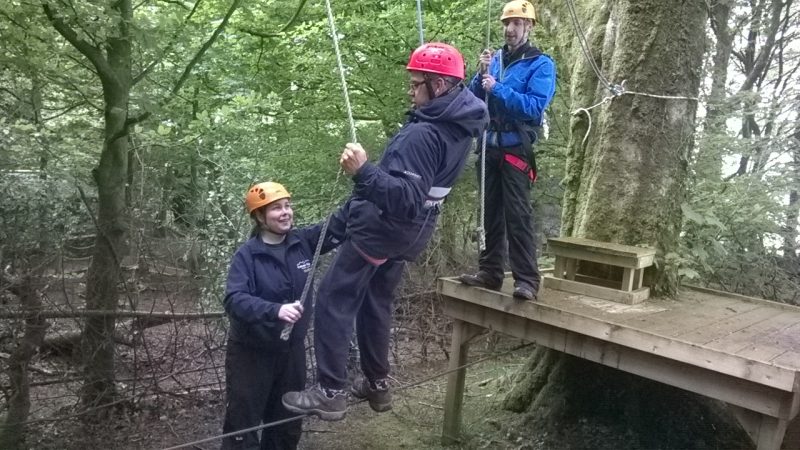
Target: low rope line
x: 401, y: 388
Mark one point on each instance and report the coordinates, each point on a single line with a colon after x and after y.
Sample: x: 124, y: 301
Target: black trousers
x: 354, y: 289
x: 255, y: 380
x: 508, y: 216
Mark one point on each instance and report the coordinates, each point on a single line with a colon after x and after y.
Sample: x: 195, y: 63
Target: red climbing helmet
x: 437, y: 58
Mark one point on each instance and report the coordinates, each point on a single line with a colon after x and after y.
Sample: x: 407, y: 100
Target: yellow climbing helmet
x: 519, y: 8
x: 263, y: 194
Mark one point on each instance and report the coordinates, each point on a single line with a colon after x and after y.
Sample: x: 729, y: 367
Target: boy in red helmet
x: 391, y: 215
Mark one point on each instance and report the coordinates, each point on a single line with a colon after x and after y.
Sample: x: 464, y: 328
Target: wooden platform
x: 740, y: 350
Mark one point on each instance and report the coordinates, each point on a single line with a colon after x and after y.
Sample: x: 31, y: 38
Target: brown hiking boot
x: 481, y: 279
x: 377, y: 393
x: 327, y: 404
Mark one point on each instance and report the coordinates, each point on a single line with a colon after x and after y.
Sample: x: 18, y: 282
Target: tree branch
x: 92, y: 53
x: 189, y: 67
x: 283, y: 29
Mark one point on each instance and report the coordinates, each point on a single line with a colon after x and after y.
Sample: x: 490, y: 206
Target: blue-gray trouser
x: 353, y: 288
x: 508, y: 215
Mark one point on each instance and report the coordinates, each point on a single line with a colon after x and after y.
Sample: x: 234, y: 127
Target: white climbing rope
x: 481, y: 231
x: 287, y: 330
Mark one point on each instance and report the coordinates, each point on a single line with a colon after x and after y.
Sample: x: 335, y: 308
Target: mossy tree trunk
x: 626, y: 179
x: 625, y: 183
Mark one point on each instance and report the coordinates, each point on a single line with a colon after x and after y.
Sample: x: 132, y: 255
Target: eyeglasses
x: 413, y: 85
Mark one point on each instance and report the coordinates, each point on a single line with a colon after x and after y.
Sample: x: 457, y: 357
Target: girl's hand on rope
x: 290, y: 312
x: 488, y: 82
x: 484, y: 59
x: 353, y: 157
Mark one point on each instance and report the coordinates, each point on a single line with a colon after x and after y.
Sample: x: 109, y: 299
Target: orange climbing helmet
x: 263, y: 194
x: 519, y: 9
x: 437, y: 58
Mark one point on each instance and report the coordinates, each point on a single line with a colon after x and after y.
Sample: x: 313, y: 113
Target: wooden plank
x: 599, y: 246
x: 756, y: 333
x: 602, y: 258
x: 600, y: 309
x: 638, y: 278
x: 688, y: 316
x: 750, y: 395
x: 744, y: 298
x: 560, y: 267
x: 616, y: 295
x: 627, y: 279
x: 726, y: 327
x: 766, y: 432
x: 761, y: 373
x: 572, y: 265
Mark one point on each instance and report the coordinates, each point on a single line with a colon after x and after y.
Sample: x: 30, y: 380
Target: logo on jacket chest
x: 304, y: 265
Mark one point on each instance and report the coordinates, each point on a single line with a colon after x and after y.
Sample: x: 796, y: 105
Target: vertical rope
x: 419, y: 23
x: 340, y: 65
x: 482, y: 226
x: 287, y: 330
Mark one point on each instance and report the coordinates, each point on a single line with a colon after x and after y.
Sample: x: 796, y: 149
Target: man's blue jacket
x: 523, y: 91
x: 393, y: 210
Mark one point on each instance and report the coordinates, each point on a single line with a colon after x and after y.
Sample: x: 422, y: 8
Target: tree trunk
x: 625, y: 184
x: 791, y: 260
x: 12, y: 433
x: 633, y: 168
x: 708, y: 161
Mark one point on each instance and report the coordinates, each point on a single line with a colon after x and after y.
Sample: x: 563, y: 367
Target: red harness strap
x: 521, y: 165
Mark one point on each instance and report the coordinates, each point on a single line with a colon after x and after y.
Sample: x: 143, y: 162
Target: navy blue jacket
x: 523, y: 91
x: 392, y: 213
x: 259, y: 283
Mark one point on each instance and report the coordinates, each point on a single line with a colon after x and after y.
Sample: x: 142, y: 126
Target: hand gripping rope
x: 287, y: 330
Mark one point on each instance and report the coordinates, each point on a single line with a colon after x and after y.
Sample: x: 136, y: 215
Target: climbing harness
x: 287, y: 330
x: 481, y: 230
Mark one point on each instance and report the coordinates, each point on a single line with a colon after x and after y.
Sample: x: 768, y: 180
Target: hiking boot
x: 377, y: 393
x: 481, y: 279
x: 327, y: 404
x: 524, y: 291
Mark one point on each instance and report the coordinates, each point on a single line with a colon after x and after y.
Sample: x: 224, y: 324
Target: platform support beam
x: 463, y: 332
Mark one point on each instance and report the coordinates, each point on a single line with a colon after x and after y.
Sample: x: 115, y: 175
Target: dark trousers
x: 354, y: 289
x: 508, y: 215
x: 255, y: 380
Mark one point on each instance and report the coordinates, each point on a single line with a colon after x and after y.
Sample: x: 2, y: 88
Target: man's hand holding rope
x: 353, y: 157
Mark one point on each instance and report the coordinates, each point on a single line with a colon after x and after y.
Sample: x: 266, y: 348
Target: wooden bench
x: 570, y: 251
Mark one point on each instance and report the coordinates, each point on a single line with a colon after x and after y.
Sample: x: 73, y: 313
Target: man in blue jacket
x: 390, y: 218
x: 518, y: 82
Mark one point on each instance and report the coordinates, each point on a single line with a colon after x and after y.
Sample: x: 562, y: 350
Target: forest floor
x: 174, y: 380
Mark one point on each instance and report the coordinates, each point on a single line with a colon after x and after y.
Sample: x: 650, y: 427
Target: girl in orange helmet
x: 265, y: 281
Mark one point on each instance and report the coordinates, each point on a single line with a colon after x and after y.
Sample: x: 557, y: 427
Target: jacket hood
x: 459, y: 107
